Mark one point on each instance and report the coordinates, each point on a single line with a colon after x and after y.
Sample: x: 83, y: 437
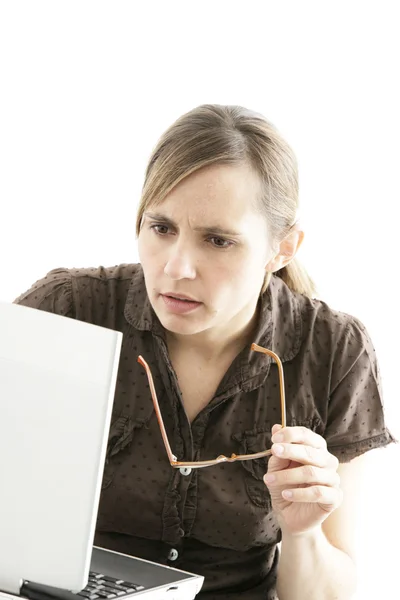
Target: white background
x: 88, y: 87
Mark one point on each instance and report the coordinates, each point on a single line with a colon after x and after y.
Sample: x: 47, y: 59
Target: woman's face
x: 207, y: 242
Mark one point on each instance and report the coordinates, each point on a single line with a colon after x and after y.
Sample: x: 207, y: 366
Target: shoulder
x: 304, y: 326
x: 62, y: 288
x: 52, y: 293
x: 339, y: 329
x: 120, y: 272
x: 92, y: 287
x: 335, y: 341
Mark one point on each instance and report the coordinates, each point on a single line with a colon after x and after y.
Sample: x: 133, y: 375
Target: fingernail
x: 278, y: 437
x: 287, y: 494
x: 278, y: 449
x: 269, y: 478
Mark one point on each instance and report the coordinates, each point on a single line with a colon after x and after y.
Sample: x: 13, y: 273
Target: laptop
x: 57, y: 384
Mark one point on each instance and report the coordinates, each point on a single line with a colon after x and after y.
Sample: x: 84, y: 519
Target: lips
x: 179, y: 304
x: 180, y: 297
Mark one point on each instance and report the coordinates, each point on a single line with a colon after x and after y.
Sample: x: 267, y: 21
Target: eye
x: 159, y: 228
x: 220, y: 242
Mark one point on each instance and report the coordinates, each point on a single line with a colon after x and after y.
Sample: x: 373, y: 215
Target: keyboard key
x: 92, y: 586
x: 110, y: 589
x: 92, y: 590
x: 128, y: 585
x: 120, y: 588
x: 113, y: 580
x: 129, y: 590
x: 87, y: 594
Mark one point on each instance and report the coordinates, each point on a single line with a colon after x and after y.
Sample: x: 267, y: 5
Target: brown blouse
x: 217, y: 521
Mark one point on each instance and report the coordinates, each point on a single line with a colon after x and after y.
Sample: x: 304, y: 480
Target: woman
x: 218, y: 237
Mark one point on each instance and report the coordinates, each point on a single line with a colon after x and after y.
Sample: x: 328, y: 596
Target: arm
x: 320, y: 564
x: 310, y: 568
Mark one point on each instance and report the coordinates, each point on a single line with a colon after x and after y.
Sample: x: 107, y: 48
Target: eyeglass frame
x: 222, y: 458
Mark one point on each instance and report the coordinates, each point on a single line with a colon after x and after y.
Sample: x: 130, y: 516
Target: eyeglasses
x: 220, y: 459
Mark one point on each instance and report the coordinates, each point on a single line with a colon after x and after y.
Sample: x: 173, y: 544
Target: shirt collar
x: 279, y: 325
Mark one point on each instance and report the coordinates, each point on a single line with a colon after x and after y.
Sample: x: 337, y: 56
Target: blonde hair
x: 231, y: 135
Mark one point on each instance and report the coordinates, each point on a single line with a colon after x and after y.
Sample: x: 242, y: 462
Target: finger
x: 323, y: 495
x: 307, y: 474
x: 307, y: 455
x: 277, y: 464
x: 299, y: 435
x: 276, y: 428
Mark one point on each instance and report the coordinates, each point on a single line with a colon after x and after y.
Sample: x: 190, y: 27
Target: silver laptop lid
x: 57, y: 383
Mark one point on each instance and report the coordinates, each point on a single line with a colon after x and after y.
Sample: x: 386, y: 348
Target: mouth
x: 181, y: 297
x: 180, y: 304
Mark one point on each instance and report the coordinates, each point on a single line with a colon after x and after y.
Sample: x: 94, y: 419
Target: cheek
x: 146, y: 248
x: 238, y: 272
x: 246, y: 276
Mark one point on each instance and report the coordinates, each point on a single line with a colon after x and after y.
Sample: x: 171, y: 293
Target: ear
x: 288, y: 249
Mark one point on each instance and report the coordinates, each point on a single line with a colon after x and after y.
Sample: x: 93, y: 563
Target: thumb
x: 275, y: 463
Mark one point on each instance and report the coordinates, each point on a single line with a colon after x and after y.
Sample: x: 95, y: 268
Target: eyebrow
x: 216, y: 229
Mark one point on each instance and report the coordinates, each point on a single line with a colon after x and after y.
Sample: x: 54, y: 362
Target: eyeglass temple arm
x: 257, y: 348
x: 172, y: 457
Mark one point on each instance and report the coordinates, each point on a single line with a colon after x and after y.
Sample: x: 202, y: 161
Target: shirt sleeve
x: 52, y: 293
x: 356, y: 419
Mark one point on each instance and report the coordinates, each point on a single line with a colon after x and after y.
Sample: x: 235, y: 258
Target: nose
x: 180, y: 263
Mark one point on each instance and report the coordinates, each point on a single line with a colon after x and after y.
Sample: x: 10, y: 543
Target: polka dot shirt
x: 217, y: 521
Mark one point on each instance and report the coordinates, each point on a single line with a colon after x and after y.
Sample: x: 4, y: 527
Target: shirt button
x: 173, y: 554
x: 185, y: 470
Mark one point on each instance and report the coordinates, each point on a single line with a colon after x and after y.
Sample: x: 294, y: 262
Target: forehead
x: 215, y: 190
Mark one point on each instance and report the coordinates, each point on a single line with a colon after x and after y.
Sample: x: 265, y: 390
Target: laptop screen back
x: 57, y: 383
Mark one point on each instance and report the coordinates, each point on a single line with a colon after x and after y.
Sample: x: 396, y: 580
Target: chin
x: 179, y: 326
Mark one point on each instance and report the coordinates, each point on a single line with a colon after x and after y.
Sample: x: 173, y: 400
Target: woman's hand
x: 303, y: 480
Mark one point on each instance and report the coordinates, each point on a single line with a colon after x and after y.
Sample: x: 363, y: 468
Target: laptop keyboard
x: 102, y: 586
